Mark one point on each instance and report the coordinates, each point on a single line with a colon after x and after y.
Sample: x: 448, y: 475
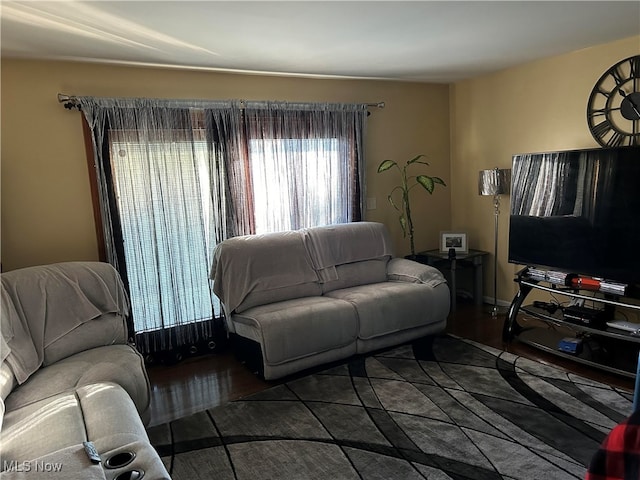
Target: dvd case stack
x: 560, y: 278
x: 537, y: 274
x: 615, y: 288
x: 556, y: 278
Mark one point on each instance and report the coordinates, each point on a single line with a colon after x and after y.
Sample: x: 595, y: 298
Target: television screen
x: 577, y: 212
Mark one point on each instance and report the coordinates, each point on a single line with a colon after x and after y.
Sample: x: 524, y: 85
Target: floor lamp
x: 495, y: 182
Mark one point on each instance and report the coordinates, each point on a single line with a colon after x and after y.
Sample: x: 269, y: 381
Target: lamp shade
x: 496, y: 181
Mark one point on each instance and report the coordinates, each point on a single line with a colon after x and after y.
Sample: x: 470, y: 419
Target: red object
x: 619, y: 455
x: 586, y: 283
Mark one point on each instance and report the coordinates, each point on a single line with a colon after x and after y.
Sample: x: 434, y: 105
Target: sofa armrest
x: 404, y: 270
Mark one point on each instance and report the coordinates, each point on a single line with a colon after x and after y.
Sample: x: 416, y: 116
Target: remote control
x: 91, y: 452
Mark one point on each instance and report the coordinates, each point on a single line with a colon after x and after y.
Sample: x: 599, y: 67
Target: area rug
x: 447, y: 409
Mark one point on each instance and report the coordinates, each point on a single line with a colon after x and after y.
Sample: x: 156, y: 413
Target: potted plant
x: 402, y: 204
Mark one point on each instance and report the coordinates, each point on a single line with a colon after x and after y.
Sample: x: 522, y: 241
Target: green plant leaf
x: 426, y: 182
x: 439, y: 180
x: 386, y: 165
x: 415, y: 159
x: 393, y: 204
x: 407, y: 183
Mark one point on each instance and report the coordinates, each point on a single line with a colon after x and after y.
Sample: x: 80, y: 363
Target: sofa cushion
x: 263, y: 297
x: 389, y: 307
x: 23, y: 429
x: 298, y: 328
x: 93, y: 412
x: 358, y: 273
x: 119, y: 364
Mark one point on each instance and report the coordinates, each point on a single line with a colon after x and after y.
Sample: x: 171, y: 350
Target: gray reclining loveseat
x: 302, y: 298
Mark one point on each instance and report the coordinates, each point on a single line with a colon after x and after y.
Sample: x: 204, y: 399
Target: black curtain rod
x: 70, y: 102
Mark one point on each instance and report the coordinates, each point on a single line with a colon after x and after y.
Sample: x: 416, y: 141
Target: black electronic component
x: 590, y: 317
x: 589, y: 244
x: 549, y: 307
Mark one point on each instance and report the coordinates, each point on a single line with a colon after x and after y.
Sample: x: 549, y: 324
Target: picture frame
x: 456, y: 240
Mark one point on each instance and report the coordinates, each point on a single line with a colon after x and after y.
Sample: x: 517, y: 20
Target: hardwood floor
x: 211, y: 380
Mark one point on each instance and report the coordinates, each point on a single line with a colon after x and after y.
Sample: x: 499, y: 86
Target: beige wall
x: 463, y: 128
x: 536, y: 107
x: 46, y: 204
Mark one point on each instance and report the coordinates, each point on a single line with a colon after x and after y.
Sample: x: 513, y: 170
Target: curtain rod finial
x: 69, y: 101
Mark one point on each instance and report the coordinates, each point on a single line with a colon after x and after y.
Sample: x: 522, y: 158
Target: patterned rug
x: 453, y: 409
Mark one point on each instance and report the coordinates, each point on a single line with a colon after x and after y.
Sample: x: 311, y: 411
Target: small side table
x: 473, y: 259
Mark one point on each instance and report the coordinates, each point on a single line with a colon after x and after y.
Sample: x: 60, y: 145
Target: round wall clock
x: 613, y: 110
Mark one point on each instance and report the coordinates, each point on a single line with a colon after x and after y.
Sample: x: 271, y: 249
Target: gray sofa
x: 297, y: 299
x: 69, y: 376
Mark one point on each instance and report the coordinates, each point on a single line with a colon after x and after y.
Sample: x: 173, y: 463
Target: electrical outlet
x: 371, y: 203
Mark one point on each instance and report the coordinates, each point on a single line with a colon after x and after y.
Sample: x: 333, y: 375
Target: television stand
x: 587, y: 337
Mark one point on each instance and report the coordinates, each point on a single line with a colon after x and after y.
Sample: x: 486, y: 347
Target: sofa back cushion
x: 254, y: 270
x: 333, y: 245
x: 49, y: 302
x: 358, y: 273
x: 107, y: 329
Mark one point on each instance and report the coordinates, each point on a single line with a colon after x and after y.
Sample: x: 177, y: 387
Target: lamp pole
x: 495, y: 182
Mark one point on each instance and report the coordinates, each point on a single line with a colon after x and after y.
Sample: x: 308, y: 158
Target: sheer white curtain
x: 177, y: 177
x: 165, y: 205
x: 305, y: 163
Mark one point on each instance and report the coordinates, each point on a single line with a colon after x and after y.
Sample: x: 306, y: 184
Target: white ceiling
x: 428, y: 41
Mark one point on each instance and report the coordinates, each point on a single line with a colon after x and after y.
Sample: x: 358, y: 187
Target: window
x: 174, y: 178
x: 164, y: 201
x: 296, y: 183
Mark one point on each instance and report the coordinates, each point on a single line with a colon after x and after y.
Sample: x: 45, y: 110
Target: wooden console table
x: 473, y: 259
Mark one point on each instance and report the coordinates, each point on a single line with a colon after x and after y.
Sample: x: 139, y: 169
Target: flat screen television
x: 577, y: 212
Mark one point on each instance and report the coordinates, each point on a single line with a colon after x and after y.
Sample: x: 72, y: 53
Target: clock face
x: 613, y: 111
